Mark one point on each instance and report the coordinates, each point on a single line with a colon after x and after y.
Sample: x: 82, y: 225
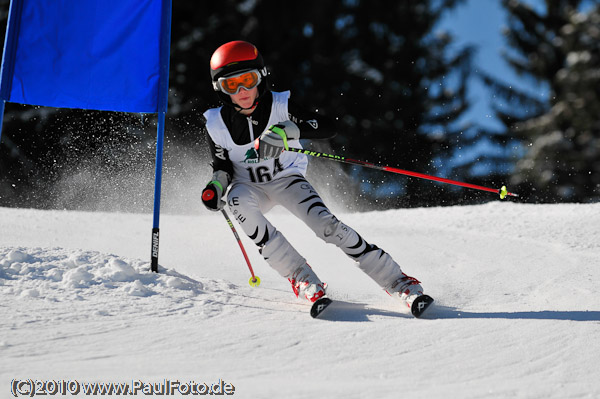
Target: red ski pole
x: 208, y: 195
x: 503, y: 192
x: 254, y: 280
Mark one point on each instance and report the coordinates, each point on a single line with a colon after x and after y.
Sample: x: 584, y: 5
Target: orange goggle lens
x: 233, y: 84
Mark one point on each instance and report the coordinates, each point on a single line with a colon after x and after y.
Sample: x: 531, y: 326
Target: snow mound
x: 49, y: 273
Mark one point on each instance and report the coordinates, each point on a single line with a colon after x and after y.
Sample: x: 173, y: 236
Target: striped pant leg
x: 299, y: 197
x: 247, y: 203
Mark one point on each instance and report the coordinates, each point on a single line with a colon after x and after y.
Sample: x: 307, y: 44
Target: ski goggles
x: 233, y: 84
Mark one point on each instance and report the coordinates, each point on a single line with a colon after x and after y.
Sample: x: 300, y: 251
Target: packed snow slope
x: 517, y: 312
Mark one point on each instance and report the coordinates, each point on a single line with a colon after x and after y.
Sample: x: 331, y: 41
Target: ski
x: 319, y: 306
x: 420, y: 305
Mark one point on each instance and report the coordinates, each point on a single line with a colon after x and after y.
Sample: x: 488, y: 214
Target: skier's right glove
x: 213, y: 193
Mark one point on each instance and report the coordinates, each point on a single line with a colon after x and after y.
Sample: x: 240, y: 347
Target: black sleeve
x: 312, y: 125
x: 220, y: 156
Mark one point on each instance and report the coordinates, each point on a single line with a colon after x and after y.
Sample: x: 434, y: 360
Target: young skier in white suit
x: 247, y: 137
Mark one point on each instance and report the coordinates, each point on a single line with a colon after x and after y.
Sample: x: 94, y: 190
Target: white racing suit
x: 248, y: 202
x: 259, y: 184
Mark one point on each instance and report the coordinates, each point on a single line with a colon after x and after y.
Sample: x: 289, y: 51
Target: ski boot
x: 409, y: 290
x: 306, y: 284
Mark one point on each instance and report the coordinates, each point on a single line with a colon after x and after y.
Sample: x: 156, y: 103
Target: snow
x: 517, y: 310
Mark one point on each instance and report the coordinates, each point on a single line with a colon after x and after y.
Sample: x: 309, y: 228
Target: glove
x: 213, y: 193
x: 274, y: 140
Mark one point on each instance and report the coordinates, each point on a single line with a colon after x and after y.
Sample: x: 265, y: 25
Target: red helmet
x: 234, y: 57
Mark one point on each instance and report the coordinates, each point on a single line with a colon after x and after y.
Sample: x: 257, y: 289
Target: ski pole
x: 254, y: 280
x: 503, y: 192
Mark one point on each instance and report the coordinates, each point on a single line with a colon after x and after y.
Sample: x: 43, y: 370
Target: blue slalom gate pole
x: 2, y: 103
x: 163, y: 96
x: 8, y: 56
x: 160, y: 135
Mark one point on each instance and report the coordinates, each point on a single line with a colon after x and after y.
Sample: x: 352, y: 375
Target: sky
x: 480, y: 23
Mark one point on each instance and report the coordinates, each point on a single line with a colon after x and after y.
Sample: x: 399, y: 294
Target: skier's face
x: 245, y: 98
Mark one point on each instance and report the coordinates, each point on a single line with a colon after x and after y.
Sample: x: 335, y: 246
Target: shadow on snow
x: 442, y: 312
x: 357, y: 312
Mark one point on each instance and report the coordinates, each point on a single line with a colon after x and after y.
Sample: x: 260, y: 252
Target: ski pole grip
x: 208, y: 194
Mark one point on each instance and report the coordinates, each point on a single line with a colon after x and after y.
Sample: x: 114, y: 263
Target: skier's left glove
x: 274, y: 140
x: 213, y: 193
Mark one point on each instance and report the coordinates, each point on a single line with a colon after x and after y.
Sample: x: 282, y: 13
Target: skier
x: 247, y: 138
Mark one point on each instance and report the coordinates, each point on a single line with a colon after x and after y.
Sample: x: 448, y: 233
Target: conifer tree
x: 380, y: 68
x: 385, y: 72
x: 560, y: 137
